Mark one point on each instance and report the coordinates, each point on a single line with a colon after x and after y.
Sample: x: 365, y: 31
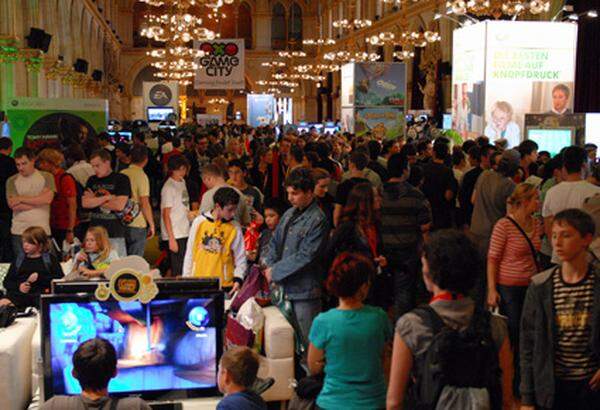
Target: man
x: 440, y: 186
x: 197, y: 155
x: 560, y: 325
x: 292, y: 254
x: 215, y: 246
x: 529, y: 153
x: 7, y: 170
x: 78, y: 166
x: 63, y: 210
x: 355, y: 175
x: 295, y: 157
x: 560, y: 100
x: 4, y: 126
x: 213, y: 178
x: 94, y: 364
x: 106, y: 194
x: 479, y: 158
x: 29, y: 194
x: 570, y: 193
x: 405, y: 219
x: 237, y: 178
x: 374, y: 148
x: 142, y: 226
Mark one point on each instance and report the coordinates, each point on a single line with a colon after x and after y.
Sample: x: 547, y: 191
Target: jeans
x: 479, y: 291
x: 575, y: 395
x: 17, y: 245
x: 118, y: 244
x: 406, y: 268
x: 6, y: 249
x: 512, y: 299
x: 306, y: 311
x: 136, y: 240
x: 176, y: 259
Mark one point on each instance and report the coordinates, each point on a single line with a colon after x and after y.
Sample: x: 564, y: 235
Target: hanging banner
x: 160, y: 94
x: 222, y: 66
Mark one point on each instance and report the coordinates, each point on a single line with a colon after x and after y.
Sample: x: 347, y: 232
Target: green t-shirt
x: 353, y: 341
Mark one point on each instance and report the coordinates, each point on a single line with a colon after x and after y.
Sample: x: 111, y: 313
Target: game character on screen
x: 215, y: 246
x: 32, y: 272
x: 237, y: 373
x: 560, y: 100
x: 502, y: 124
x: 95, y: 257
x: 94, y: 364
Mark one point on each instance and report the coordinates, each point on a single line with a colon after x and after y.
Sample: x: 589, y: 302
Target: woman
x: 512, y: 260
x: 261, y: 172
x: 347, y: 342
x: 450, y: 268
x: 359, y: 229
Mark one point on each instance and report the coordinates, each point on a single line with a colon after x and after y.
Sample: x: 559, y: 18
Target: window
x: 278, y: 28
x: 295, y: 26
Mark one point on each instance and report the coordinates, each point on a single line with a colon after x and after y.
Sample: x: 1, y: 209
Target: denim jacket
x: 298, y: 269
x: 538, y: 338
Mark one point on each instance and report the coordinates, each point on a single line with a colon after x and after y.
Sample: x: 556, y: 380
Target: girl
x: 347, y: 342
x: 96, y: 256
x: 31, y: 275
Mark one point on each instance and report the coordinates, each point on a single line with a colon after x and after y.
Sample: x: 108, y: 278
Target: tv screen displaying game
x: 167, y: 345
x: 156, y: 114
x: 552, y: 140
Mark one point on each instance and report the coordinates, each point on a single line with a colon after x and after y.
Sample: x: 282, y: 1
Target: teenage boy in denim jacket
x: 560, y: 324
x: 291, y: 258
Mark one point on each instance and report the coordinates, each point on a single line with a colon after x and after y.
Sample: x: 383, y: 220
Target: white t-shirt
x: 566, y: 195
x: 174, y: 195
x: 81, y: 171
x: 33, y: 185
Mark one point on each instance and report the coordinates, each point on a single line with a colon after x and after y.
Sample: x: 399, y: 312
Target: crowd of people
x: 360, y: 234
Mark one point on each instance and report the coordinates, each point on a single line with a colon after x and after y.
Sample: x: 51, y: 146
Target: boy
x: 215, y: 246
x: 94, y: 364
x: 502, y: 124
x: 175, y: 206
x: 560, y: 324
x: 274, y: 209
x: 237, y: 372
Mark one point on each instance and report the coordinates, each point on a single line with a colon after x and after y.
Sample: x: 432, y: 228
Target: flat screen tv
x: 552, y: 140
x: 157, y: 114
x: 167, y: 349
x: 447, y: 121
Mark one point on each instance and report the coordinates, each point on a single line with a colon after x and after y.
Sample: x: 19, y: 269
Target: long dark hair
x: 360, y: 206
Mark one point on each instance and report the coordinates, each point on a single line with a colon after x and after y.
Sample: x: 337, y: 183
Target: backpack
x: 8, y: 314
x: 81, y: 212
x: 460, y: 369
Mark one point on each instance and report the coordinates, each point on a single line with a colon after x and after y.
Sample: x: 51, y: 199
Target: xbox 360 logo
x: 14, y: 103
x: 160, y: 94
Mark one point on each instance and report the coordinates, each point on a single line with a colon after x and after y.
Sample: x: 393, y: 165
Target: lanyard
x: 446, y: 296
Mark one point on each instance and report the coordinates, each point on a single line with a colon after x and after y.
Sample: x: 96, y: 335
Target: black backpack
x: 460, y: 369
x: 8, y: 314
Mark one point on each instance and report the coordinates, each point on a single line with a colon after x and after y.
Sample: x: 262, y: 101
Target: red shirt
x: 59, y: 210
x: 165, y: 157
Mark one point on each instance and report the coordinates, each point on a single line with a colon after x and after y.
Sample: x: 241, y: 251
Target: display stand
x: 502, y: 70
x: 373, y: 99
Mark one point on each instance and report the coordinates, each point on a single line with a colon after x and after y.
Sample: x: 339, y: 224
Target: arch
x: 145, y: 74
x: 295, y: 26
x: 278, y: 27
x: 244, y: 24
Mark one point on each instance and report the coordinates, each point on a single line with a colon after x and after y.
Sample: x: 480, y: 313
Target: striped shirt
x: 404, y: 209
x: 511, y: 253
x: 573, y: 304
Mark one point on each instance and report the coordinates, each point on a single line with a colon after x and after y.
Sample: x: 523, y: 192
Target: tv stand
x: 206, y: 403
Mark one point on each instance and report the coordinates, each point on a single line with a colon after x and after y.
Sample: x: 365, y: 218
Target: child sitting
x: 237, y: 373
x: 32, y: 273
x: 95, y: 257
x: 215, y: 246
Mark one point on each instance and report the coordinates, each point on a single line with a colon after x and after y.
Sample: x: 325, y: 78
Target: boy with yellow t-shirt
x: 215, y: 246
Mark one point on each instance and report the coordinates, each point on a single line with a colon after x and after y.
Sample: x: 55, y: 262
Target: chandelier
x: 497, y: 8
x: 273, y: 64
x: 318, y: 42
x: 174, y: 27
x: 355, y: 24
x: 403, y: 55
x: 184, y: 4
x: 292, y: 54
x: 343, y: 57
x: 218, y: 101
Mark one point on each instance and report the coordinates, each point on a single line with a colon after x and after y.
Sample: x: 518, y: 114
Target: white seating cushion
x: 279, y: 335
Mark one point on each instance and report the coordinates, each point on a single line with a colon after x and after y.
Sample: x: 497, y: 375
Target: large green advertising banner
x: 47, y: 118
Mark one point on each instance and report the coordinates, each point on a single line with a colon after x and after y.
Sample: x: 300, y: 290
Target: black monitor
x: 181, y: 285
x: 167, y: 349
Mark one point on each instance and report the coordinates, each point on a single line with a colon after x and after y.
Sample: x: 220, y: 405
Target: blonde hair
x: 523, y: 192
x: 51, y: 156
x: 504, y: 107
x: 37, y: 236
x: 101, y: 236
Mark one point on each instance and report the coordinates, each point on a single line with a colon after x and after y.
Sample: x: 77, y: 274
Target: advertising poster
x: 261, y: 109
x: 378, y: 84
x: 222, y: 66
x: 468, y: 80
x: 382, y: 122
x: 347, y: 89
x: 530, y: 68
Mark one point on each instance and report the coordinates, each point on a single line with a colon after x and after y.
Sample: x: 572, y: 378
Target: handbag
x: 236, y: 334
x: 255, y: 285
x: 534, y: 253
